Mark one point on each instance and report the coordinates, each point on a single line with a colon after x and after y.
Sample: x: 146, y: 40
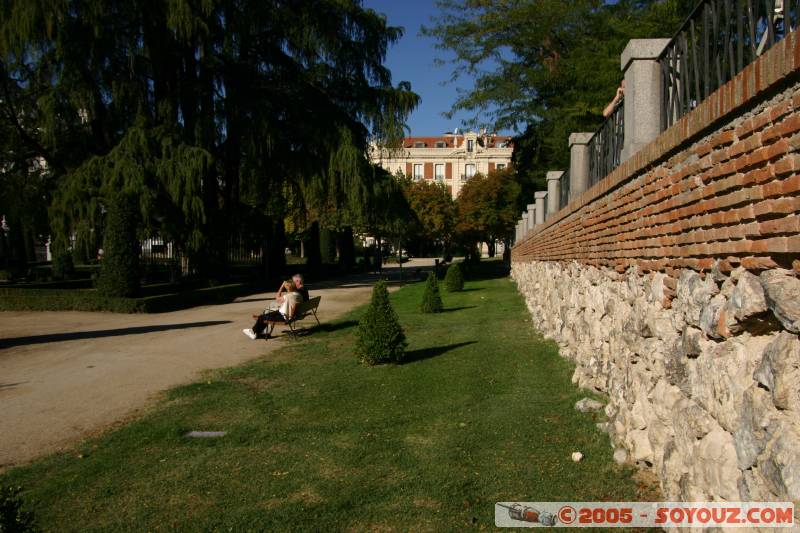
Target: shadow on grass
x: 473, y: 289
x: 434, y: 351
x: 451, y: 309
x: 327, y: 328
x: 98, y: 334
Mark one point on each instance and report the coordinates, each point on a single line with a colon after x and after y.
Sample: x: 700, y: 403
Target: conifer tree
x: 431, y: 299
x: 119, y: 275
x: 380, y: 338
x: 454, y: 279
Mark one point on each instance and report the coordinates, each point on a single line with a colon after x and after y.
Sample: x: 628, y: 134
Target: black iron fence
x: 715, y: 43
x: 156, y: 251
x: 605, y: 146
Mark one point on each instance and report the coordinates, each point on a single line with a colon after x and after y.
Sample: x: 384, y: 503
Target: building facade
x: 451, y: 159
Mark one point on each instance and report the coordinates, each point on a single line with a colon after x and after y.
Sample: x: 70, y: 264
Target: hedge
x: 17, y: 299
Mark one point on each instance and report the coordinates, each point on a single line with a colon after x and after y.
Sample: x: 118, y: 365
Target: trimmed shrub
x: 454, y: 279
x: 119, y: 275
x: 13, y: 518
x: 431, y: 300
x: 380, y: 338
x: 24, y: 299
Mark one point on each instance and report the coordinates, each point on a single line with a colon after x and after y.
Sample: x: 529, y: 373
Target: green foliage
x: 13, y: 517
x: 62, y: 265
x: 487, y: 207
x: 545, y: 67
x: 454, y: 279
x: 380, y: 338
x: 186, y: 105
x: 119, y: 276
x: 431, y: 299
x: 434, y: 208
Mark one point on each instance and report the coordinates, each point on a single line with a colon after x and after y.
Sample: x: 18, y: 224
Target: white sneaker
x: 250, y: 333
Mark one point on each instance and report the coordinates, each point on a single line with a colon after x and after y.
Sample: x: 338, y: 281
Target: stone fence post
x: 553, y: 192
x: 539, y: 197
x: 643, y: 93
x: 524, y: 224
x: 531, y: 216
x: 578, y: 163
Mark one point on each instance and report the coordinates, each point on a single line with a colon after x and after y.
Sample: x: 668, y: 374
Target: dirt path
x: 67, y: 375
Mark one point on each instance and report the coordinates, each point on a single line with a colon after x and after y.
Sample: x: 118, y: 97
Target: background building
x: 451, y: 159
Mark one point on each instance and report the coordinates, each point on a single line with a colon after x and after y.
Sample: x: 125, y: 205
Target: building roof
x: 455, y: 141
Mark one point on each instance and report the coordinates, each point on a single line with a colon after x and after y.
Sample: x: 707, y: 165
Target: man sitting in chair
x: 288, y: 296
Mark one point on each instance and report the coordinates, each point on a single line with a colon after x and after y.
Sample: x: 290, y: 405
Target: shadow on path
x: 82, y: 335
x: 7, y: 386
x: 435, y: 351
x: 326, y: 328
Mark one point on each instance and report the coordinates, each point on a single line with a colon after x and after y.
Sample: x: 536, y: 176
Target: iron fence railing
x: 715, y: 43
x: 156, y: 251
x: 563, y: 189
x: 605, y: 146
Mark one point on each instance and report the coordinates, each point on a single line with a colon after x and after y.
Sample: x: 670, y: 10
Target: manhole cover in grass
x: 205, y: 434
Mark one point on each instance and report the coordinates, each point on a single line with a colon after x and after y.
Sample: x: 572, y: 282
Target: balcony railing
x: 605, y: 146
x: 715, y: 43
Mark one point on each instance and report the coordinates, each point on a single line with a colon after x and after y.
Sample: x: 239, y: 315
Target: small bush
x: 454, y: 279
x: 13, y: 518
x: 431, y: 299
x: 380, y: 338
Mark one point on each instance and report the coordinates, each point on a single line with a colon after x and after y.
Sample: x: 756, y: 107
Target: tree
x: 431, y: 299
x: 454, y: 278
x: 545, y: 68
x: 487, y: 208
x: 434, y: 212
x: 221, y: 116
x: 379, y: 337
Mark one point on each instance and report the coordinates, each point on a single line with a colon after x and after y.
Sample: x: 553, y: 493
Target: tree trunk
x: 313, y: 259
x: 347, y: 249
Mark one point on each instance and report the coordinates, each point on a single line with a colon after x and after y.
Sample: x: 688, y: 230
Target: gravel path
x: 67, y: 375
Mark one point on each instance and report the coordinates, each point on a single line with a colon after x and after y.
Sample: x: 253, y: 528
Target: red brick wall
x: 722, y: 184
x: 428, y: 169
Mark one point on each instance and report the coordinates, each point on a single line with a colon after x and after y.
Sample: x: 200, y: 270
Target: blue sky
x: 412, y: 59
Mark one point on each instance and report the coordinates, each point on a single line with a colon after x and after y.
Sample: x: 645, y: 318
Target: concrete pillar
x: 539, y: 198
x: 516, y: 232
x: 578, y: 163
x: 553, y: 192
x: 531, y: 216
x: 524, y: 224
x: 643, y: 93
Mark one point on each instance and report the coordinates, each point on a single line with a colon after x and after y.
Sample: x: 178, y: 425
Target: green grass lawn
x: 317, y: 441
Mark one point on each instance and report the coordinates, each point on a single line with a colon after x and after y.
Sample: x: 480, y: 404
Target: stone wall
x: 705, y: 391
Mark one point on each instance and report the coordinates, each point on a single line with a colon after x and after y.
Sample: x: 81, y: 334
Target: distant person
x: 615, y: 102
x: 288, y: 297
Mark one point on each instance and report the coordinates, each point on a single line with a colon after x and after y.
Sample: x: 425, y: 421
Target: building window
x: 419, y: 144
x: 469, y: 170
x: 501, y: 166
x: 470, y: 145
x: 417, y: 171
x: 441, y: 144
x: 439, y: 172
